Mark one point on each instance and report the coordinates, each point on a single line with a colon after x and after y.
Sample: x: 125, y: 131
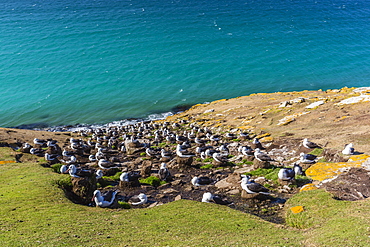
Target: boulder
x: 83, y: 188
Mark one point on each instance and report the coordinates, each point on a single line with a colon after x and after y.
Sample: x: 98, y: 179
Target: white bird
x: 51, y: 157
x: 124, y: 177
x: 72, y: 171
x: 246, y: 151
x: 99, y: 174
x: 209, y: 197
x: 26, y: 147
x: 219, y: 157
x: 138, y: 200
x: 298, y: 169
x: 259, y: 155
x: 37, y: 151
x: 286, y: 174
x: 101, y: 201
x: 310, y: 145
x: 348, y: 149
x: 64, y: 169
x: 39, y: 141
x: 257, y: 144
x: 252, y: 187
x: 163, y: 172
x: 92, y: 158
x: 51, y: 143
x: 243, y: 135
x: 183, y: 153
x: 105, y: 164
x: 199, y: 181
x: 307, y: 158
x: 151, y: 152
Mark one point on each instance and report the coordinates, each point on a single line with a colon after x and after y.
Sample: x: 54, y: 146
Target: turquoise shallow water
x: 67, y: 62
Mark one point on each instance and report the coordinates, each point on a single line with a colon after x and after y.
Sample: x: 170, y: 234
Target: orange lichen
x: 7, y: 161
x: 297, y: 209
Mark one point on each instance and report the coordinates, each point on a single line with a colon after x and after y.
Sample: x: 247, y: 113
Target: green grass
x: 35, y: 212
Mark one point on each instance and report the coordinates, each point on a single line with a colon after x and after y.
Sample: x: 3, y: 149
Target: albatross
x: 138, y: 199
x: 199, y: 181
x: 163, y: 172
x: 100, y: 201
x: 348, y: 149
x: 286, y: 174
x: 261, y: 156
x: 209, y: 197
x: 311, y: 145
x: 307, y: 158
x: 252, y: 187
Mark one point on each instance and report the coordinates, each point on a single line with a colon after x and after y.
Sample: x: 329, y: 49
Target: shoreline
x: 274, y: 115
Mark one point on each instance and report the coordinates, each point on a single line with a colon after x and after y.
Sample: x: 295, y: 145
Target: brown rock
x: 146, y: 168
x: 259, y: 164
x: 258, y: 196
x: 184, y: 162
x: 83, y: 188
x: 178, y: 197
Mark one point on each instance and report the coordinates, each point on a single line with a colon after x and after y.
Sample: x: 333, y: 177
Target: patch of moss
x: 56, y: 167
x: 208, y: 166
x: 317, y: 151
x: 114, y: 177
x: 64, y: 183
x: 271, y: 174
x: 125, y: 205
x: 152, y: 180
x: 208, y: 160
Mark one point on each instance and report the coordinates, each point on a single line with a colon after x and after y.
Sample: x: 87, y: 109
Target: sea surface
x: 64, y: 62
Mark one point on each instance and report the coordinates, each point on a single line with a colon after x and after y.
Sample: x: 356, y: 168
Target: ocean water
x: 95, y: 61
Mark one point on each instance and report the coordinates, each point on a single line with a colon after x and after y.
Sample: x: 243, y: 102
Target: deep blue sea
x: 96, y: 61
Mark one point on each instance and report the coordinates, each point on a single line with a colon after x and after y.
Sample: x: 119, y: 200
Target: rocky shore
x: 280, y: 121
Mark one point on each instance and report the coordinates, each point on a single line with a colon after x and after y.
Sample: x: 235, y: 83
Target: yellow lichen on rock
x: 288, y: 119
x: 308, y: 187
x: 323, y: 170
x: 267, y: 139
x: 263, y: 135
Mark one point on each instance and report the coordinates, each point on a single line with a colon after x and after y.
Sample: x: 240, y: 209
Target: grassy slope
x: 34, y: 212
